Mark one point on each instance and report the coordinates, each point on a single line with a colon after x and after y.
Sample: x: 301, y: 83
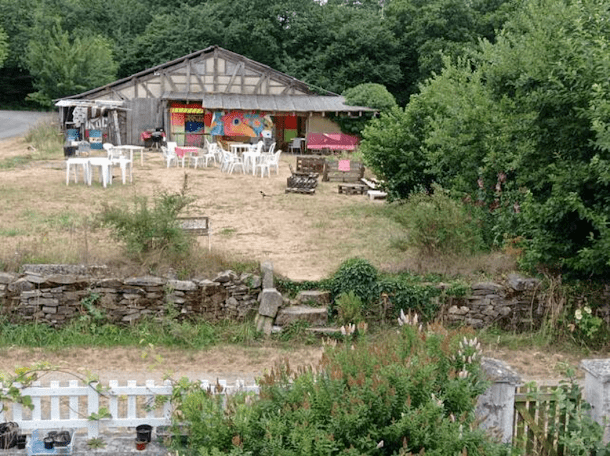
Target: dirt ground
x: 306, y: 238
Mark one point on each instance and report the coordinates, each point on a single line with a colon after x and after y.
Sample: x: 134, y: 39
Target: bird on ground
x: 264, y: 194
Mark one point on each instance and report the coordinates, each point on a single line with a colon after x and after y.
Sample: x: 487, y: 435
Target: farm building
x: 211, y: 92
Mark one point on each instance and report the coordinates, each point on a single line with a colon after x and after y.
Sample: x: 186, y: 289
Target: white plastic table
x: 74, y: 163
x: 131, y: 150
x: 105, y: 170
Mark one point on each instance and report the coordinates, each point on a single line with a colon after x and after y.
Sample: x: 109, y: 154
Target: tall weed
x: 439, y: 225
x: 46, y: 139
x: 146, y: 229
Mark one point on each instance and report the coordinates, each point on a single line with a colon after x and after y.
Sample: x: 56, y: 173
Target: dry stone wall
x: 54, y: 295
x: 517, y: 304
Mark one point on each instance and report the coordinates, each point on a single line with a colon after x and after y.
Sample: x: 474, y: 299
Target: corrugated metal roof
x: 90, y: 103
x: 273, y: 103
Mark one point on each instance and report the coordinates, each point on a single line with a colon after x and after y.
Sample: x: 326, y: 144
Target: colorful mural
x: 240, y: 123
x: 189, y: 122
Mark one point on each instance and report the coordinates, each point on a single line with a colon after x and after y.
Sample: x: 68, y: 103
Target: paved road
x: 17, y: 123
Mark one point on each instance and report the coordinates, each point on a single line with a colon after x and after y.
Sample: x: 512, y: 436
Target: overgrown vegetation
x: 411, y: 393
x: 146, y: 229
x: 45, y: 143
x: 520, y: 130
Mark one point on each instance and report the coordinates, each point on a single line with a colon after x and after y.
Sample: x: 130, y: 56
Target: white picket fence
x: 60, y: 406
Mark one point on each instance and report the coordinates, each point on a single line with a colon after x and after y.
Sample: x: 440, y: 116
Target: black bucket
x: 69, y: 151
x: 143, y: 433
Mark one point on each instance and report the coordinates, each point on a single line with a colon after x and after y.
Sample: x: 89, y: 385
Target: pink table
x: 182, y: 151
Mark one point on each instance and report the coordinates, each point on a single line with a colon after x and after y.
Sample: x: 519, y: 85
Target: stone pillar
x: 496, y: 407
x: 597, y: 391
x: 271, y: 301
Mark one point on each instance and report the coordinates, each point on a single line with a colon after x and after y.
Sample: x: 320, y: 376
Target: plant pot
x: 61, y: 439
x: 48, y: 443
x: 141, y: 445
x: 143, y: 433
x: 20, y: 441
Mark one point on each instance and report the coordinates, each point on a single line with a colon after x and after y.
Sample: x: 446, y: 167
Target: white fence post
x: 93, y: 406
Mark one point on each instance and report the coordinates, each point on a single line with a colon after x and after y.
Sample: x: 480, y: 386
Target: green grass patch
x: 15, y: 162
x: 10, y: 232
x: 85, y: 332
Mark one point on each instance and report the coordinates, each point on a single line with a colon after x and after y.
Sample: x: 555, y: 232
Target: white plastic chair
x: 236, y: 162
x: 273, y: 161
x: 169, y: 153
x: 117, y: 158
x: 226, y: 158
x: 251, y: 157
x: 210, y: 154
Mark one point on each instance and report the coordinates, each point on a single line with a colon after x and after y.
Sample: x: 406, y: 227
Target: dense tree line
x: 53, y: 48
x: 520, y: 130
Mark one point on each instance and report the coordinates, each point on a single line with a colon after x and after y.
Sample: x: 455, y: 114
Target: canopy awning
x: 332, y: 141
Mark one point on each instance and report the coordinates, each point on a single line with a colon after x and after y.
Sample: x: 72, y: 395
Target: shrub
x: 407, y: 294
x: 145, y: 229
x: 410, y: 393
x: 349, y: 308
x: 439, y: 225
x: 357, y: 275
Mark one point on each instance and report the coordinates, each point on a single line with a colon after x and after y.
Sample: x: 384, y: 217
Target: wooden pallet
x: 352, y: 189
x: 305, y: 191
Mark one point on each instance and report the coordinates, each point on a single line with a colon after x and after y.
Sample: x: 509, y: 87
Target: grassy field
x: 305, y: 236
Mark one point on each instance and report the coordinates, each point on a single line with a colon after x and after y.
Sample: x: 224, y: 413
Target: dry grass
x: 306, y: 237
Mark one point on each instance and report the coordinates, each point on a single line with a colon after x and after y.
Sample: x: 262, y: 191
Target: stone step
x: 315, y: 316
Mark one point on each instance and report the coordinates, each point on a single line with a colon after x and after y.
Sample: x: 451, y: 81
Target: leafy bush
x: 410, y: 393
x: 438, y: 225
x: 409, y: 295
x: 349, y: 308
x: 357, y: 275
x: 145, y: 229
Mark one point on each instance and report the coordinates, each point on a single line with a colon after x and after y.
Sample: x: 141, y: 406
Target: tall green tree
x: 3, y: 46
x: 62, y: 65
x: 429, y: 30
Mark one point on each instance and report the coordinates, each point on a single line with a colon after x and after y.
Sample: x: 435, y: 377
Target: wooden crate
x: 333, y: 174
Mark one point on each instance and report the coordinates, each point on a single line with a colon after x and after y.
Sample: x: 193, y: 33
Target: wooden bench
x: 332, y: 173
x: 197, y: 226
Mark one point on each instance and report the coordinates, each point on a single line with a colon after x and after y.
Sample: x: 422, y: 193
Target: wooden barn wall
x: 144, y: 114
x: 318, y: 124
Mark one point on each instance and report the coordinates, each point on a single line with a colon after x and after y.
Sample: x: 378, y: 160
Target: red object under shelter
x: 332, y: 141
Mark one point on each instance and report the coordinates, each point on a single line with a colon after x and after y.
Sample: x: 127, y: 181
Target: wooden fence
x: 539, y: 420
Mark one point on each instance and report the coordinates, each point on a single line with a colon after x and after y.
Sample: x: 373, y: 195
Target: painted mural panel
x: 240, y: 123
